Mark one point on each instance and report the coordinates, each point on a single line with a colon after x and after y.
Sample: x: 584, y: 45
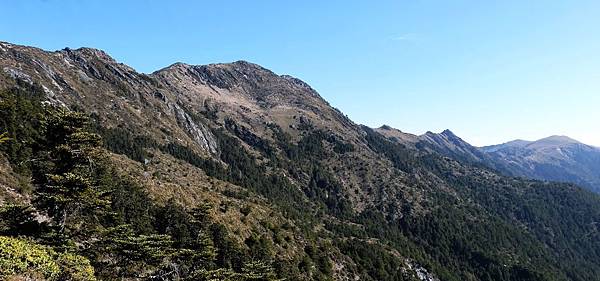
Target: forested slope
x: 232, y: 172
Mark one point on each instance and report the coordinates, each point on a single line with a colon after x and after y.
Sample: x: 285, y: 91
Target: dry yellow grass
x: 166, y: 178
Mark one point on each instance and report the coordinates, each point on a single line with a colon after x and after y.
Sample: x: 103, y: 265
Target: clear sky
x: 490, y: 71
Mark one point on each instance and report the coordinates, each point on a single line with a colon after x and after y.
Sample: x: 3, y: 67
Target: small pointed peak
x: 245, y: 63
x: 386, y: 127
x: 448, y: 133
x: 180, y: 64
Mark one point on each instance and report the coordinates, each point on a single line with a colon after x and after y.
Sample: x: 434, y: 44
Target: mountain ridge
x: 296, y: 184
x: 553, y: 140
x: 557, y: 158
x: 553, y: 158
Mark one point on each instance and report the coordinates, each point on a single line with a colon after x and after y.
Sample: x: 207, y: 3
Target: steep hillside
x: 262, y: 179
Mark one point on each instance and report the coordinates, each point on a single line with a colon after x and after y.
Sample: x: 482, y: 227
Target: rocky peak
x: 95, y: 62
x: 241, y: 75
x: 446, y: 138
x: 397, y: 135
x: 449, y: 134
x: 449, y: 144
x: 222, y: 75
x: 386, y: 127
x: 88, y: 53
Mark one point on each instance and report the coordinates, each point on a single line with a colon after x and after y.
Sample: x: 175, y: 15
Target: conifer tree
x: 258, y: 271
x: 70, y: 174
x: 121, y: 252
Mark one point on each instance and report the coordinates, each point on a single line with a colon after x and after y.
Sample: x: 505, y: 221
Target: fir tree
x: 70, y: 173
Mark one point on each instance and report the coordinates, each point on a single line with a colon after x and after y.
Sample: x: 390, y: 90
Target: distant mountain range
x: 555, y: 158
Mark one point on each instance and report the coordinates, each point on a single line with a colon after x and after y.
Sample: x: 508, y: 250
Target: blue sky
x: 491, y: 71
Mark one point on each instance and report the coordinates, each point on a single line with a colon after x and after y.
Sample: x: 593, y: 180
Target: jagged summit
x: 238, y: 73
x: 445, y: 132
x: 446, y: 138
x: 248, y: 83
x: 101, y: 54
x: 240, y: 66
x: 386, y: 127
x: 226, y: 75
x: 448, y: 133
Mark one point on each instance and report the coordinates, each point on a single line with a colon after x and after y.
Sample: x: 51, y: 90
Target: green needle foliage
x: 95, y: 224
x: 4, y: 137
x: 71, y: 173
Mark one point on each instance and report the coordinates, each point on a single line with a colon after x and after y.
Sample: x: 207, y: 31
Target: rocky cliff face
x: 119, y: 96
x: 253, y: 95
x: 384, y: 205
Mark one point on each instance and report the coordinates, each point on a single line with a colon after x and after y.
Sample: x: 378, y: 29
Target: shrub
x: 20, y: 257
